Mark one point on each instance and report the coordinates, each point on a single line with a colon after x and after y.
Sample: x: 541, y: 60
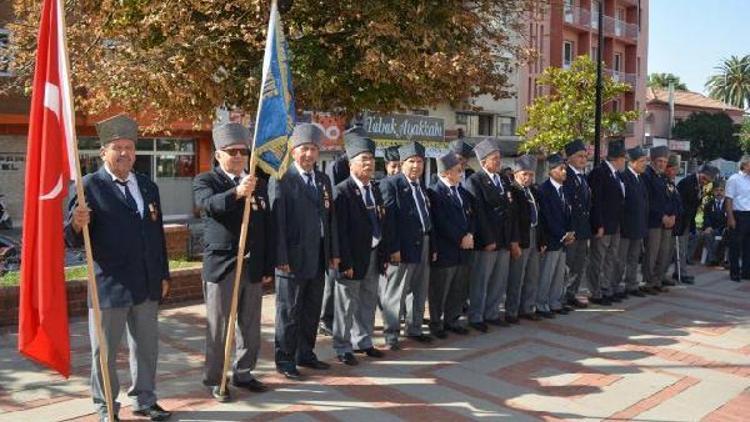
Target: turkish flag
x: 43, y: 312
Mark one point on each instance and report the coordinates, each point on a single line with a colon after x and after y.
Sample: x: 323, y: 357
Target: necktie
x: 530, y: 197
x: 128, y: 196
x: 561, y: 194
x: 456, y: 197
x: 309, y: 177
x: 618, y: 176
x: 372, y: 213
x: 236, y: 180
x: 498, y: 183
x: 422, y: 207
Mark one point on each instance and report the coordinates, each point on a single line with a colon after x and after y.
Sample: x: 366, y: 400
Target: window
x: 618, y: 62
x: 155, y: 157
x: 615, y: 105
x: 485, y: 125
x: 568, y: 6
x: 567, y: 54
x: 594, y: 52
x: 4, y: 53
x: 506, y: 126
x: 462, y: 118
x: 620, y: 21
x: 595, y: 5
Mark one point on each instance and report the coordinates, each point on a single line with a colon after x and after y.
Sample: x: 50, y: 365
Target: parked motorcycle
x: 5, y: 220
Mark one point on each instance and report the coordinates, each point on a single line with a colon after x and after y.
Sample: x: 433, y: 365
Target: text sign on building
x: 404, y: 127
x: 675, y: 145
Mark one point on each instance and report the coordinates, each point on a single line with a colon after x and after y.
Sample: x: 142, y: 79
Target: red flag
x: 43, y: 313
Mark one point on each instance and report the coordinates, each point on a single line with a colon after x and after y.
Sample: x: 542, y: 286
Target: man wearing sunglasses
x: 221, y: 195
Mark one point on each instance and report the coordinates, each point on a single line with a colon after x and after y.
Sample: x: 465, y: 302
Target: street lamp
x: 598, y: 111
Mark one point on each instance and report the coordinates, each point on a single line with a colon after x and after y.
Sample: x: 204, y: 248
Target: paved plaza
x: 681, y: 356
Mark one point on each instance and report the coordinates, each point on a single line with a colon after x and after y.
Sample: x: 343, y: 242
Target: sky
x: 690, y: 37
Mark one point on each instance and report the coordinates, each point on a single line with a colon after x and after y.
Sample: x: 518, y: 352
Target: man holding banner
x: 123, y: 214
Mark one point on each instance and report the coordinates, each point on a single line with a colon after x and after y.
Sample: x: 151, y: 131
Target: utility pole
x: 598, y: 111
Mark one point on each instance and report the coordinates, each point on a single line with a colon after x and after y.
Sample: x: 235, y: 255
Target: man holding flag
x: 130, y: 260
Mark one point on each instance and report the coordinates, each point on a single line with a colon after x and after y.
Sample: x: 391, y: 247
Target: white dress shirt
x: 738, y: 190
x: 418, y: 191
x: 132, y: 183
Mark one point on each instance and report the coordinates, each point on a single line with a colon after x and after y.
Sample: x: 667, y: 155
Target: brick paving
x: 681, y: 356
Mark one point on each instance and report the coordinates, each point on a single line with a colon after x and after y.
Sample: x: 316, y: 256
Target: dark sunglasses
x: 236, y: 151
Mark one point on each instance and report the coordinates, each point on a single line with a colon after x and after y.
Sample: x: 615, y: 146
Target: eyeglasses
x: 234, y: 152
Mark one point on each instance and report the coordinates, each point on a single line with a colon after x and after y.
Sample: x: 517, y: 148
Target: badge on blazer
x: 510, y: 197
x: 262, y: 203
x: 326, y: 198
x: 253, y: 203
x: 153, y: 211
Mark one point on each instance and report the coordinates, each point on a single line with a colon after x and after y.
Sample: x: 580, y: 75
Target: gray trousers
x: 629, y: 255
x: 531, y: 279
x: 686, y: 246
x: 354, y: 310
x: 218, y: 297
x: 326, y: 310
x: 404, y: 289
x: 517, y: 276
x: 576, y: 258
x: 143, y: 343
x: 442, y: 280
x: 671, y: 257
x: 656, y: 256
x: 488, y: 282
x: 603, y: 264
x: 551, y: 282
x: 458, y: 294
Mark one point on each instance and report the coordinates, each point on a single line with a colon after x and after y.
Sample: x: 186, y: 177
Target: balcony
x: 585, y: 18
x: 628, y: 78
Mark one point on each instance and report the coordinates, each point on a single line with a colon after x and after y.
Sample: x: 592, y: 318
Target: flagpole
x: 243, y: 240
x: 92, y: 288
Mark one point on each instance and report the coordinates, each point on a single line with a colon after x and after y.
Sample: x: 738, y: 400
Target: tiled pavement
x: 680, y: 356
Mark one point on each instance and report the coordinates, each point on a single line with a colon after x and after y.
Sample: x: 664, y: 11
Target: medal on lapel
x: 254, y: 203
x: 262, y: 203
x: 326, y: 198
x: 510, y: 197
x: 153, y: 211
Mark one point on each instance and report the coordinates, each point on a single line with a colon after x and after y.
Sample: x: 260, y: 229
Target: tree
x: 662, y: 80
x: 732, y: 82
x: 181, y: 59
x: 711, y: 135
x: 568, y: 112
x: 744, y: 135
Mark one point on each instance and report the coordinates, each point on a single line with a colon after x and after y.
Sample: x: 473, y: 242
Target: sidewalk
x: 680, y: 356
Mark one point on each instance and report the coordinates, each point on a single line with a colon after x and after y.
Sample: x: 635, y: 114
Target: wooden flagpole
x: 241, y: 247
x: 92, y: 288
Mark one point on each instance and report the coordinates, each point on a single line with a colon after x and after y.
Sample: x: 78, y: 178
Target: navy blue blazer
x: 130, y: 253
x: 659, y: 203
x: 452, y: 222
x: 555, y: 216
x: 691, y: 196
x: 578, y: 192
x: 607, y: 200
x: 355, y: 228
x: 298, y: 211
x: 635, y: 216
x: 214, y: 196
x: 405, y: 233
x: 495, y: 213
x: 523, y: 215
x: 713, y: 217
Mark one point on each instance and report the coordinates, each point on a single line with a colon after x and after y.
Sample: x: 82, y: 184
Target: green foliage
x: 662, y: 80
x: 744, y: 135
x: 732, y: 82
x: 711, y: 135
x: 568, y: 112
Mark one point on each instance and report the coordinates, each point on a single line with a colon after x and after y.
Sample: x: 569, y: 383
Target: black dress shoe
x: 621, y: 295
x: 512, y: 319
x: 601, y: 301
x: 576, y: 303
x: 155, y: 413
x: 531, y: 317
x: 667, y: 282
x: 421, y: 338
x: 560, y: 311
x: 569, y: 308
x: 661, y: 289
x: 371, y: 352
x: 348, y: 359
x: 441, y: 334
x: 613, y: 299
x: 325, y: 330
x: 289, y: 371
x: 457, y: 329
x: 394, y: 347
x: 636, y: 293
x: 252, y: 385
x: 547, y: 314
x: 498, y: 322
x: 649, y: 290
x: 479, y: 326
x: 314, y: 364
x: 687, y: 280
x: 216, y: 394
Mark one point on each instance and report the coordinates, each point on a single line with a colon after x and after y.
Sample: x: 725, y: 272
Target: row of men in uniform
x: 478, y: 240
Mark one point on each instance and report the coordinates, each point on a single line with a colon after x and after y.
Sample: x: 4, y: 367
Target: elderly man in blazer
x: 661, y: 221
x: 306, y: 246
x: 607, y: 199
x: 496, y: 234
x: 123, y: 213
x: 558, y: 226
x: 634, y: 225
x: 360, y: 215
x: 524, y: 270
x: 715, y: 224
x: 578, y: 192
x: 453, y: 238
x: 220, y: 195
x: 409, y: 226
